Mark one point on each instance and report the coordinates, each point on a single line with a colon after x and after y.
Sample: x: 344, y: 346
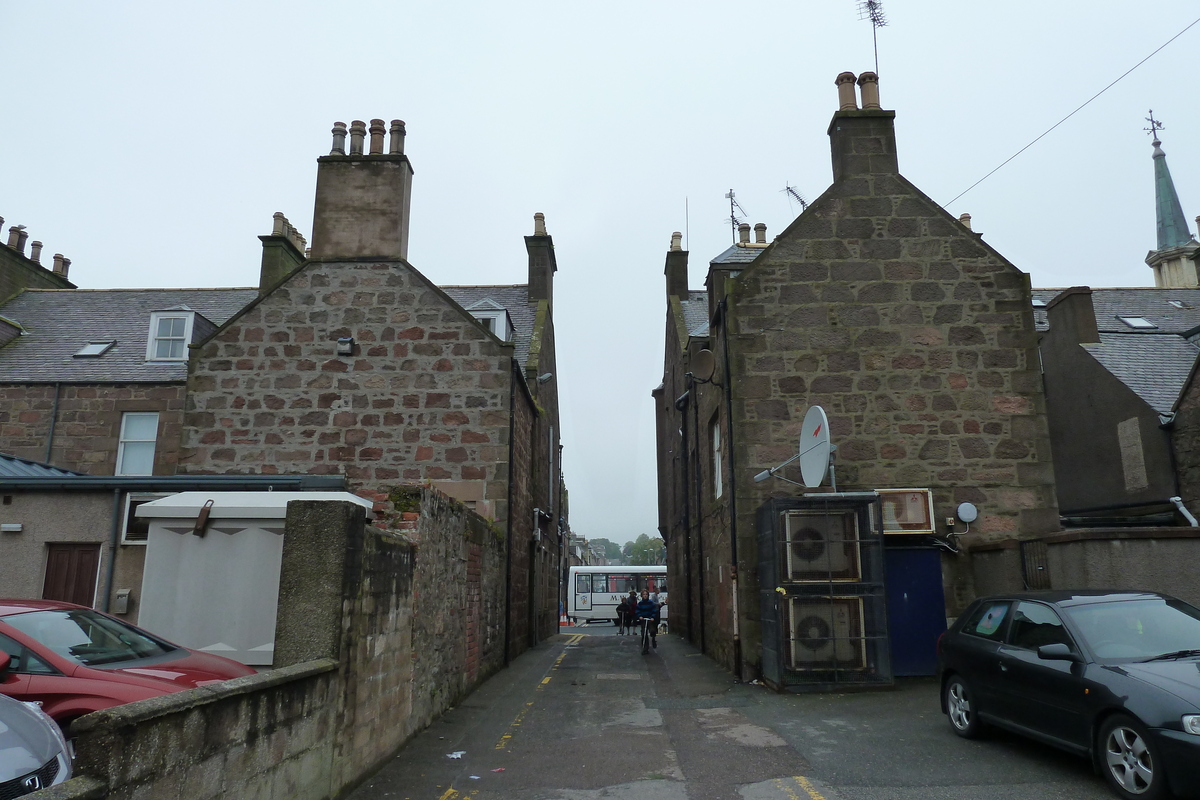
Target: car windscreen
x: 86, y: 637
x: 1135, y: 630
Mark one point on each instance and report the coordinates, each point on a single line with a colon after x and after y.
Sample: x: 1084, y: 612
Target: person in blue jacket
x: 648, y: 609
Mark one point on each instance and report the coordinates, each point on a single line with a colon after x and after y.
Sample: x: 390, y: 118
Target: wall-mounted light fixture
x: 345, y: 346
x: 11, y: 527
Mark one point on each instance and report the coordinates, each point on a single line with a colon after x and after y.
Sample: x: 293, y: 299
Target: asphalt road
x: 586, y: 716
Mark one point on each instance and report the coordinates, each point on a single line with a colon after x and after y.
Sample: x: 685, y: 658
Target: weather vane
x: 1155, y: 125
x: 873, y: 10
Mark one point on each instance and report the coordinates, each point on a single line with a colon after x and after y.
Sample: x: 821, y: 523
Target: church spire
x: 1173, y: 260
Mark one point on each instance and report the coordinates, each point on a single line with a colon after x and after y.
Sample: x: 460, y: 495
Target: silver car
x: 33, y: 752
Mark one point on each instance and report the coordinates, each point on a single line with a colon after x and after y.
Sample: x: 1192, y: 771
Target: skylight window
x: 1039, y: 303
x: 94, y: 349
x: 1178, y: 304
x: 1138, y: 323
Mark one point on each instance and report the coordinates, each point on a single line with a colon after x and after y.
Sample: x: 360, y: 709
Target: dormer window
x: 494, y: 317
x: 1138, y: 323
x: 170, y: 332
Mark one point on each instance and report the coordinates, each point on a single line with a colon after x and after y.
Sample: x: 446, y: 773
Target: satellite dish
x: 704, y: 365
x: 967, y: 512
x: 814, y: 447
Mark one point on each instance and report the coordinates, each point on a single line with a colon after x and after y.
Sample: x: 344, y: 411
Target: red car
x: 74, y: 660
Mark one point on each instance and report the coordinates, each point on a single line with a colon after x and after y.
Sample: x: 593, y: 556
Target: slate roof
x: 1154, y: 367
x: 515, y: 300
x: 1152, y: 304
x: 695, y: 312
x: 58, y: 322
x: 738, y: 254
x: 13, y: 467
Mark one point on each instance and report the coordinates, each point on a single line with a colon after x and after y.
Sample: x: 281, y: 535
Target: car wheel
x: 960, y: 708
x: 1130, y: 760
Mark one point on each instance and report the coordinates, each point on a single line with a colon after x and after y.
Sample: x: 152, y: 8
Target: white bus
x: 594, y: 592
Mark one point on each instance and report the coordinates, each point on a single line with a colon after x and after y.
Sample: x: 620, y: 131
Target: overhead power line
x: 1076, y: 111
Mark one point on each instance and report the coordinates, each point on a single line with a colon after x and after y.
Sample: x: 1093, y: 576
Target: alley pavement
x: 585, y: 716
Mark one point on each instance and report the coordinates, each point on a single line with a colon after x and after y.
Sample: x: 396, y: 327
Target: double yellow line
x: 516, y: 723
x: 785, y: 786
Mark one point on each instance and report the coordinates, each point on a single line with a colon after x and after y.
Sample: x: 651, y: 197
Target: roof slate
x: 13, y: 467
x: 1151, y: 303
x: 515, y: 299
x: 58, y: 322
x: 738, y: 254
x: 1154, y: 367
x: 695, y: 313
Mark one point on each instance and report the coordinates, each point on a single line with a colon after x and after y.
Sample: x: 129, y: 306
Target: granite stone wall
x: 422, y: 396
x: 88, y: 425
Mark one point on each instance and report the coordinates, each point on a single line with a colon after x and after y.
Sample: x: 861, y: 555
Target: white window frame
x: 714, y: 433
x: 127, y: 516
x: 153, y: 339
x: 1138, y: 323
x: 122, y: 441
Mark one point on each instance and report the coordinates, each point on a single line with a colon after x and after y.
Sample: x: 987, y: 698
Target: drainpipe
x: 514, y: 376
x: 1167, y: 425
x: 681, y: 406
x: 53, y: 420
x: 723, y: 308
x: 1178, y: 502
x: 698, y: 480
x: 113, y: 541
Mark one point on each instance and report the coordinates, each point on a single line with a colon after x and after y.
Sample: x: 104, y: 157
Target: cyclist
x: 647, y: 611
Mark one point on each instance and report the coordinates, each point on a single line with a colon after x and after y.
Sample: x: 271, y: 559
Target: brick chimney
x: 283, y: 251
x: 1072, y: 313
x: 677, y: 268
x: 862, y: 140
x: 542, y: 264
x: 362, y: 204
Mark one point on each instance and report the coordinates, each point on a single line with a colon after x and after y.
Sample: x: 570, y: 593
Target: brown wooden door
x: 71, y: 573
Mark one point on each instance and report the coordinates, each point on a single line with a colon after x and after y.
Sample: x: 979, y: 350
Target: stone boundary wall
x: 371, y: 646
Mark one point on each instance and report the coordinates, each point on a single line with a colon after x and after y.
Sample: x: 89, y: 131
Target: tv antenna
x: 794, y: 194
x: 734, y: 219
x: 873, y: 10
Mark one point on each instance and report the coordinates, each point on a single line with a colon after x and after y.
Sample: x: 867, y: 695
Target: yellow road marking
x: 803, y: 783
x: 516, y: 723
x: 448, y: 794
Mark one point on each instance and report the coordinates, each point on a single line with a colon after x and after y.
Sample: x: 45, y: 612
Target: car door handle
x: 1004, y: 667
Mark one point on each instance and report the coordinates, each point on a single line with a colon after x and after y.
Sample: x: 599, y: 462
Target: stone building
x: 353, y: 362
x: 914, y: 335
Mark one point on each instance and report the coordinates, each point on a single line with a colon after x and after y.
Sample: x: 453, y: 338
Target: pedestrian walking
x: 624, y: 616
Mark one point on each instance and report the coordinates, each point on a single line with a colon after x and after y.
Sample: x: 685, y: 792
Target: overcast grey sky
x: 150, y: 142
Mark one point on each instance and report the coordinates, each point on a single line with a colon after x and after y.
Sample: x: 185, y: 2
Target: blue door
x: 916, y: 608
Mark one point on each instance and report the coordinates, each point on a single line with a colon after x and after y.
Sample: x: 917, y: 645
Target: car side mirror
x: 5, y: 663
x: 1057, y: 652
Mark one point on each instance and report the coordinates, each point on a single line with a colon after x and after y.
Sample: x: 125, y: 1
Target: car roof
x: 1080, y: 597
x: 10, y: 606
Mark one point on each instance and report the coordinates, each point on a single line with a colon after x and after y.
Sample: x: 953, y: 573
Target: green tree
x: 646, y: 551
x: 612, y: 550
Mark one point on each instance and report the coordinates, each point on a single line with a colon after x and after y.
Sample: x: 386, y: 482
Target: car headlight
x: 1191, y: 723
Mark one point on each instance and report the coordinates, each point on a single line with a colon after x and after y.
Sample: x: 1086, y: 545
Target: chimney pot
x: 66, y: 266
x: 396, y: 143
x: 339, y: 139
x: 539, y: 224
x: 965, y: 219
x: 676, y: 241
x: 377, y: 131
x: 846, y: 99
x: 869, y: 84
x: 358, y: 132
x: 278, y: 221
x: 35, y: 252
x: 744, y: 233
x: 22, y: 235
x: 760, y: 233
x: 58, y: 264
x: 14, y: 236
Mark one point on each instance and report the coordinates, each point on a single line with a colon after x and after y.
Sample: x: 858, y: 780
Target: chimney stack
x: 61, y: 265
x: 542, y: 264
x: 965, y: 219
x: 677, y: 269
x: 283, y: 251
x: 862, y: 141
x: 362, y: 200
x: 1072, y: 311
